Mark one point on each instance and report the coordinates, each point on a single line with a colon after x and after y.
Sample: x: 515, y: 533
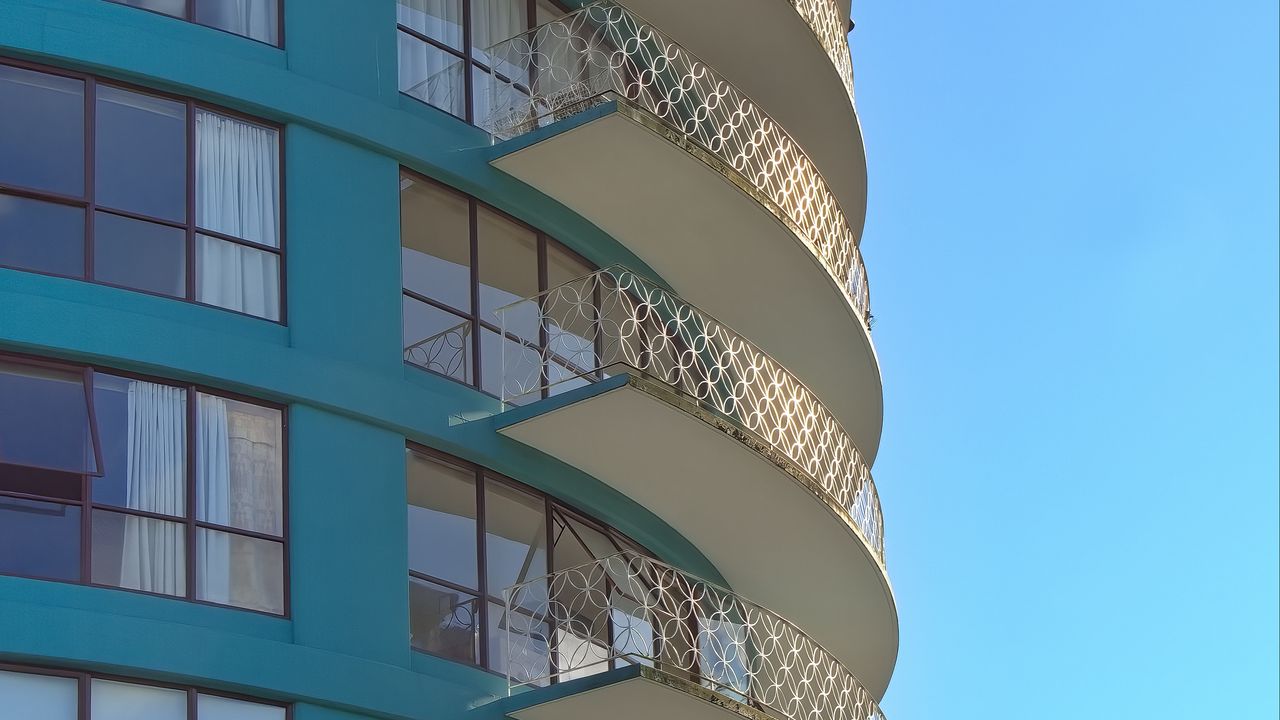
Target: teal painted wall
x: 343, y: 653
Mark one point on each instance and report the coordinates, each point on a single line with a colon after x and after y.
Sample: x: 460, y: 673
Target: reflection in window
x: 255, y: 19
x: 134, y: 214
x: 446, y: 240
x: 460, y: 514
x: 137, y: 518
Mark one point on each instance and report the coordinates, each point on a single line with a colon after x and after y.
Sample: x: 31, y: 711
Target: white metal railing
x: 604, y: 51
x: 628, y: 609
x: 574, y: 333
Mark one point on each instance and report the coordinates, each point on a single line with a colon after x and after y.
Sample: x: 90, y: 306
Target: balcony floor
x: 721, y: 247
x: 771, y: 537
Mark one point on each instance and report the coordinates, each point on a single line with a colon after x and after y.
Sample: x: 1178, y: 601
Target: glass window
x: 41, y: 236
x: 437, y: 19
x: 435, y: 239
x: 113, y: 700
x: 139, y: 553
x: 41, y: 131
x: 54, y: 431
x: 518, y: 645
x: 140, y: 152
x: 432, y: 75
x: 239, y: 570
x: 493, y: 21
x: 27, y: 695
x: 39, y: 539
x: 237, y: 178
x: 239, y: 465
x: 237, y: 277
x: 443, y: 621
x: 177, y: 8
x: 133, y: 415
x: 442, y: 520
x: 436, y: 340
x: 515, y: 536
x: 255, y: 19
x: 139, y: 255
x: 507, y: 255
x: 212, y: 707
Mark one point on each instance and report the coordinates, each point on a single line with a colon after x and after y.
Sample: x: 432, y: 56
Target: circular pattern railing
x: 831, y: 29
x: 577, y: 331
x: 628, y: 609
x: 604, y: 51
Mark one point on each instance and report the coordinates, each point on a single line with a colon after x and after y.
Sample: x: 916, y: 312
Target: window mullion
x: 90, y: 131
x: 191, y: 493
x: 191, y: 201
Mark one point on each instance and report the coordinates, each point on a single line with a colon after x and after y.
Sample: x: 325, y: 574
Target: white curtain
x: 432, y: 75
x: 438, y: 19
x: 255, y: 19
x: 213, y: 470
x: 154, y: 556
x: 237, y: 194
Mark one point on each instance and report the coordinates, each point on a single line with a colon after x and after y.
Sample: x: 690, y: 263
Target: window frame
x: 189, y: 521
x: 467, y: 54
x: 551, y: 507
x: 189, y: 16
x: 84, y: 688
x: 478, y: 324
x: 88, y: 200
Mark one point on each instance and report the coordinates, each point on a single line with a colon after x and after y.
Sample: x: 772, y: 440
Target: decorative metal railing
x: 831, y: 29
x: 628, y: 609
x: 616, y: 317
x: 447, y: 352
x: 604, y: 51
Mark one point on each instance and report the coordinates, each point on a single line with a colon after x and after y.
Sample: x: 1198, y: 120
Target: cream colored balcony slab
x: 724, y: 247
x: 643, y: 694
x: 791, y: 57
x: 775, y: 535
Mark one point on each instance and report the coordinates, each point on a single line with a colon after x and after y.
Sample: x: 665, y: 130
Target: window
x: 121, y: 481
x: 460, y: 262
x: 255, y: 19
x: 441, y: 46
x: 48, y: 694
x: 472, y: 534
x: 139, y: 190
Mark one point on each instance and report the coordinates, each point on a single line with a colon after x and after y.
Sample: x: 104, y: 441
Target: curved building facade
x: 418, y: 359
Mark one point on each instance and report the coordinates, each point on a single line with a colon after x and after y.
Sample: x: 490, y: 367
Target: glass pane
x: 256, y: 19
x: 583, y: 649
x: 141, y: 153
x: 435, y: 240
x: 437, y: 340
x: 27, y: 696
x: 482, y: 94
x: 140, y: 255
x: 563, y: 266
x: 139, y: 553
x: 126, y: 701
x: 239, y: 570
x: 443, y: 621
x: 515, y: 540
x: 507, y: 255
x: 41, y: 131
x: 41, y: 236
x: 142, y: 427
x: 579, y: 544
x: 39, y: 539
x: 52, y: 428
x: 442, y: 520
x: 238, y: 178
x: 239, y: 465
x: 437, y: 19
x: 509, y: 369
x: 547, y: 10
x: 432, y: 75
x: 212, y: 707
x: 493, y: 21
x: 237, y: 277
x: 518, y: 646
x: 176, y: 8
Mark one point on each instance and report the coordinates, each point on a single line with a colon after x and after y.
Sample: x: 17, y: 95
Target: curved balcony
x: 603, y: 112
x: 629, y: 637
x: 623, y: 379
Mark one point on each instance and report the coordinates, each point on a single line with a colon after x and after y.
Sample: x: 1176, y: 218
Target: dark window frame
x: 84, y: 688
x: 468, y: 55
x: 87, y: 201
x: 552, y: 508
x: 189, y: 520
x: 189, y: 15
x: 477, y: 322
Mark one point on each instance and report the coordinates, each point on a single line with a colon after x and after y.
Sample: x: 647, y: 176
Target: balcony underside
x: 773, y: 538
x: 720, y: 246
x: 633, y: 693
x: 769, y: 51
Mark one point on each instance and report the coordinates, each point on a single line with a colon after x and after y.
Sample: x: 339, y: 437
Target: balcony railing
x: 628, y: 609
x: 832, y: 31
x: 448, y: 352
x: 581, y: 331
x: 603, y: 51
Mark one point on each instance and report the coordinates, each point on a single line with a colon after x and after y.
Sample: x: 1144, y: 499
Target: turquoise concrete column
x: 349, y: 45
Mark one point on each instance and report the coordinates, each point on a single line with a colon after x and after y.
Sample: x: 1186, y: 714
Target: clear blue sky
x: 1072, y: 242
